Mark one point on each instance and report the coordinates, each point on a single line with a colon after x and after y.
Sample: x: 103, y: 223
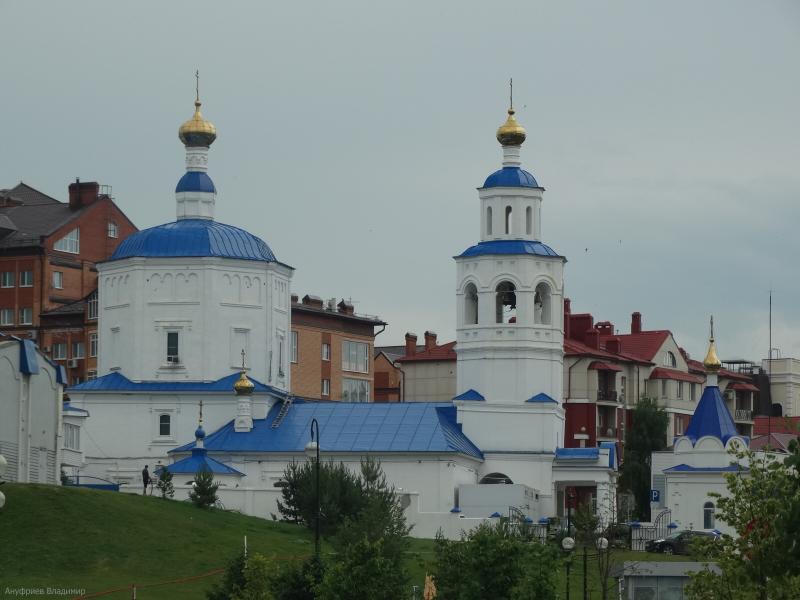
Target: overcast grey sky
x: 352, y: 136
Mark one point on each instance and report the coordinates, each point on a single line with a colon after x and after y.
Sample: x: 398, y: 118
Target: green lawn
x: 61, y: 537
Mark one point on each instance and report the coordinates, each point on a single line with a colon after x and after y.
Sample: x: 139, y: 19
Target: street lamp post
x: 3, y: 466
x: 568, y: 544
x: 312, y: 451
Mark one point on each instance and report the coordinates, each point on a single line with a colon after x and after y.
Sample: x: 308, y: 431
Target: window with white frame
x: 355, y: 357
x: 326, y: 387
x: 294, y: 346
x: 69, y: 243
x: 670, y: 360
x: 355, y: 390
x: 58, y: 280
x: 326, y: 351
x: 6, y: 316
x: 680, y: 390
x: 93, y: 344
x: 113, y: 230
x: 7, y: 279
x: 26, y: 279
x: 708, y: 516
x: 172, y: 347
x: 663, y: 388
x: 693, y: 390
x: 164, y: 425
x: 91, y: 308
x: 78, y: 350
x: 26, y: 316
x: 90, y: 375
x: 72, y: 436
x: 59, y: 350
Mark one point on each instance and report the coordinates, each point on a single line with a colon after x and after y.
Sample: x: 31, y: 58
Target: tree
x: 164, y: 483
x: 363, y: 570
x: 494, y: 561
x: 204, y: 490
x: 762, y: 505
x: 233, y: 580
x: 647, y: 434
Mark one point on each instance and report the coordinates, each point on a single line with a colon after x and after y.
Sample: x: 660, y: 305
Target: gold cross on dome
x: 201, y: 412
x: 197, y: 85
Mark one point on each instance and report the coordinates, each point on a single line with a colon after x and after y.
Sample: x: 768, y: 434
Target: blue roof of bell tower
x: 711, y: 418
x: 195, y: 181
x: 510, y: 177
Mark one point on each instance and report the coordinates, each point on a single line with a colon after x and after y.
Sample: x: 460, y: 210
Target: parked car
x: 679, y: 542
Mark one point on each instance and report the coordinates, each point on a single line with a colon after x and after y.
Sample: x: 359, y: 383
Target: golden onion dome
x: 511, y: 133
x: 197, y: 131
x: 243, y: 385
x: 711, y: 362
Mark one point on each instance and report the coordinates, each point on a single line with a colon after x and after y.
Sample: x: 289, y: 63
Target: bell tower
x: 509, y: 294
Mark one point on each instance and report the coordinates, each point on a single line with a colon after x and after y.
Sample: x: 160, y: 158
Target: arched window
x: 164, y: 425
x: 470, y: 304
x: 669, y: 359
x: 495, y: 478
x: 528, y: 220
x: 708, y: 515
x: 508, y: 219
x: 541, y: 304
x: 506, y: 302
x: 488, y: 220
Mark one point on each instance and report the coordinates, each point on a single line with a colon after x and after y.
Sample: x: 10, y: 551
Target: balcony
x: 607, y: 432
x: 606, y: 395
x: 743, y: 415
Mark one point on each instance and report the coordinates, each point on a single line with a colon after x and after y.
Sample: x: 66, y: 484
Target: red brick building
x: 332, y: 349
x: 48, y: 280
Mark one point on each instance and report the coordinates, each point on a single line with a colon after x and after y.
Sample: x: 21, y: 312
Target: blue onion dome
x: 200, y: 433
x: 197, y: 131
x: 194, y: 237
x: 511, y: 177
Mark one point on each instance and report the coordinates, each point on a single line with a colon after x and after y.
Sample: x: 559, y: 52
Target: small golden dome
x: 197, y: 131
x: 711, y: 362
x: 511, y: 133
x: 243, y: 385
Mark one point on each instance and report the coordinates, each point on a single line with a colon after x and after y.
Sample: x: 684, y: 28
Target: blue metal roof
x: 194, y: 237
x: 350, y: 427
x: 540, y: 397
x: 200, y: 461
x: 711, y: 417
x: 469, y: 395
x: 612, y: 453
x: 577, y: 453
x: 509, y: 247
x: 510, y: 177
x: 74, y: 409
x: 119, y: 383
x: 28, y: 360
x: 195, y: 181
x: 684, y: 468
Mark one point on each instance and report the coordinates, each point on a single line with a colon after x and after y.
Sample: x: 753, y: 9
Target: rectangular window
x: 93, y: 344
x: 91, y: 375
x: 113, y: 230
x: 77, y: 380
x: 26, y: 316
x: 78, y: 350
x: 6, y: 316
x: 693, y: 391
x: 69, y: 243
x: 680, y: 389
x: 59, y: 350
x: 7, y: 279
x: 294, y: 346
x: 164, y: 425
x: 58, y: 280
x: 355, y: 357
x: 172, y: 347
x: 326, y: 351
x: 26, y: 279
x: 326, y: 387
x: 663, y: 388
x: 92, y: 306
x: 355, y: 390
x: 72, y: 437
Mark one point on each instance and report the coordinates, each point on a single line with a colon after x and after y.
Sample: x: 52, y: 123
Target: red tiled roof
x: 761, y: 425
x: 742, y: 387
x: 601, y: 366
x: 662, y: 373
x: 443, y: 352
x: 575, y: 348
x: 777, y: 441
x: 695, y: 366
x: 644, y: 345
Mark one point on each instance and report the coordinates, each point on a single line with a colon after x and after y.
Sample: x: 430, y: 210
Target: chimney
x: 294, y: 298
x: 411, y: 344
x: 567, y: 310
x: 636, y: 322
x: 614, y: 345
x: 345, y: 307
x: 605, y: 327
x: 592, y: 339
x: 312, y: 301
x: 430, y: 340
x: 83, y: 193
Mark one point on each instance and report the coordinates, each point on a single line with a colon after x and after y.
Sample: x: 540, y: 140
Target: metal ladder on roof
x: 287, y: 404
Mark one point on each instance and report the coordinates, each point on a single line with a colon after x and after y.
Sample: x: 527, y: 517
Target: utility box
x: 483, y: 500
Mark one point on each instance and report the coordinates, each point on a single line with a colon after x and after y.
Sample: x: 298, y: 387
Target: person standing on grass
x: 145, y: 479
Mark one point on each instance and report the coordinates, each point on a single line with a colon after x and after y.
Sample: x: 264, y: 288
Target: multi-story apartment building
x: 332, y: 350
x: 48, y: 279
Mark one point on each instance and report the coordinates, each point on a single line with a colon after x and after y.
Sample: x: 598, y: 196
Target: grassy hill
x: 62, y: 537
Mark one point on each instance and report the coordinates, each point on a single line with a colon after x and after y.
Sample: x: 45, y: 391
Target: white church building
x: 181, y: 301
